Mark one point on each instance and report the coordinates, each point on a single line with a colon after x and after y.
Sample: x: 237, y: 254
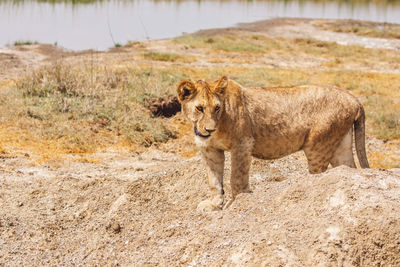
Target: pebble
x: 116, y: 227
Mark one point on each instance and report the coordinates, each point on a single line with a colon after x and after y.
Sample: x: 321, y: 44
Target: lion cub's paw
x: 228, y: 203
x: 207, y: 205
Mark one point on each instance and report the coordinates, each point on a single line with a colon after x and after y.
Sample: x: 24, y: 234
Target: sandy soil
x: 130, y: 207
x: 141, y: 208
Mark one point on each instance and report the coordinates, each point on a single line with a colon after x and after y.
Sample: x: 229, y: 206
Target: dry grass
x: 343, y: 54
x: 385, y: 115
x: 364, y: 28
x: 78, y: 110
x: 337, y: 55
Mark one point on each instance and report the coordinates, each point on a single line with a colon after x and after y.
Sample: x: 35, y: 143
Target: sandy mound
x: 141, y: 208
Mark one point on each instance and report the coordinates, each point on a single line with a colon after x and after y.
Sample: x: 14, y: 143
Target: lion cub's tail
x: 359, y: 133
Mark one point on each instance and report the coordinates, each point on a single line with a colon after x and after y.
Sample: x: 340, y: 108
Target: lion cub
x: 270, y: 123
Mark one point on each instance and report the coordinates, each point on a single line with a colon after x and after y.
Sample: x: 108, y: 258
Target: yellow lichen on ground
x: 386, y: 158
x: 4, y: 84
x: 14, y: 142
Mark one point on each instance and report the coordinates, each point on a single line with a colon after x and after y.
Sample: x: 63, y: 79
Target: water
x: 101, y: 24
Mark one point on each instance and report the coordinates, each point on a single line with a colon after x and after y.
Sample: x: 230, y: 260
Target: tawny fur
x: 270, y: 123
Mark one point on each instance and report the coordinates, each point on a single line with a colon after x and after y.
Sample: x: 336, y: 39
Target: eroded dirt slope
x: 141, y: 208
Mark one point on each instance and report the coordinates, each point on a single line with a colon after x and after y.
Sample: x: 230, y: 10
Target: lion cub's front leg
x: 214, y: 160
x: 241, y: 161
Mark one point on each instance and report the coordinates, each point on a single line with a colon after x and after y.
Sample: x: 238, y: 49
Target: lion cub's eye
x: 200, y: 108
x: 217, y: 108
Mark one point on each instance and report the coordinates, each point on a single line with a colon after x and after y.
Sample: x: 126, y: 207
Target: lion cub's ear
x: 186, y: 90
x: 221, y: 86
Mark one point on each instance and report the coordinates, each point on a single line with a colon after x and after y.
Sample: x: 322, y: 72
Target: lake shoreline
x: 103, y: 24
x: 21, y: 58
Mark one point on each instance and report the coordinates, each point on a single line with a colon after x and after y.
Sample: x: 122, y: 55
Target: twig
x: 144, y: 28
x: 109, y: 30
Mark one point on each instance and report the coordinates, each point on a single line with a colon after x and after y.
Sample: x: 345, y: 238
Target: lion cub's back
x: 283, y: 117
x: 299, y: 101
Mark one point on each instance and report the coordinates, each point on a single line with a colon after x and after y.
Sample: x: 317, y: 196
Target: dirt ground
x: 141, y: 208
x: 121, y: 207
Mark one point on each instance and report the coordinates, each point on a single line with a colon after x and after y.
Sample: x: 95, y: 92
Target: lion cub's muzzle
x: 201, y: 135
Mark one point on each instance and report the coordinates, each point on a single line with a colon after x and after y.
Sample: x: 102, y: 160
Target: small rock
x: 115, y: 227
x: 275, y: 175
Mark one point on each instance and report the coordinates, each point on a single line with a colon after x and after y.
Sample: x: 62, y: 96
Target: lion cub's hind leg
x: 317, y: 161
x: 336, y: 151
x: 318, y: 156
x: 344, y: 152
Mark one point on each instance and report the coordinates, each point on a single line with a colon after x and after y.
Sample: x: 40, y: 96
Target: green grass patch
x: 18, y: 43
x: 254, y: 44
x: 171, y: 57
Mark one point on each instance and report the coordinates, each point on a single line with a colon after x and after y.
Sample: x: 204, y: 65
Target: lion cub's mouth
x: 199, y: 134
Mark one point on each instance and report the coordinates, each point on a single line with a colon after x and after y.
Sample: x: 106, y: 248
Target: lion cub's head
x: 203, y: 104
